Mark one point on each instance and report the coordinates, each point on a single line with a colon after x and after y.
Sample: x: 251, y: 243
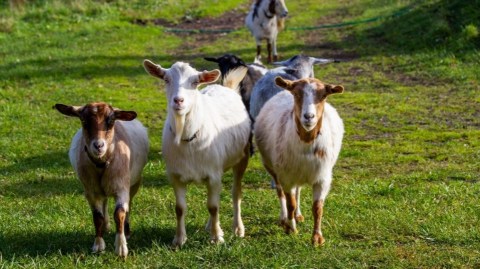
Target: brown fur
x: 322, y: 91
x: 119, y: 217
x: 178, y: 212
x: 99, y: 222
x: 113, y: 178
x: 291, y: 206
x: 317, y: 209
x: 320, y: 153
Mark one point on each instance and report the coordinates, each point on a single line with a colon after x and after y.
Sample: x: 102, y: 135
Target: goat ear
x: 321, y: 60
x: 211, y: 59
x: 283, y: 83
x: 282, y: 63
x: 208, y: 76
x: 125, y: 115
x: 72, y: 111
x: 331, y: 89
x: 153, y: 69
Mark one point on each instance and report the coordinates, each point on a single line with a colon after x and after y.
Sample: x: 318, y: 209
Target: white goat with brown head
x: 108, y: 154
x: 206, y: 133
x: 299, y: 136
x: 264, y: 20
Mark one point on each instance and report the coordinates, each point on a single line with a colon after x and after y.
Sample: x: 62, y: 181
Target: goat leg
x: 290, y: 226
x: 120, y: 215
x: 180, y: 190
x: 317, y: 237
x: 99, y: 222
x: 214, y: 187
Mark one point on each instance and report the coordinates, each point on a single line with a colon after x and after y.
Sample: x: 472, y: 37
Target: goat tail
x: 280, y: 23
x: 233, y: 78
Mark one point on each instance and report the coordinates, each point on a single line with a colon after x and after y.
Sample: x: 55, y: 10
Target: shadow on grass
x: 51, y: 174
x: 78, y: 243
x: 91, y: 67
x: 424, y: 27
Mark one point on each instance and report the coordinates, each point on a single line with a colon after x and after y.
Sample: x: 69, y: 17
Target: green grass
x: 406, y: 186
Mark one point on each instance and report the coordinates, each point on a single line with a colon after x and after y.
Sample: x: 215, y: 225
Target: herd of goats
x: 283, y: 111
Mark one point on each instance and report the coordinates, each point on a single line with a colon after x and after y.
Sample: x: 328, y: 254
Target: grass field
x: 406, y: 185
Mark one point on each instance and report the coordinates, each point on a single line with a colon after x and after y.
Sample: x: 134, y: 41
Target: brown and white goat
x: 299, y: 136
x: 108, y: 154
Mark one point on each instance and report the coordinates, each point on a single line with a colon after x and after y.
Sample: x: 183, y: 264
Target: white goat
x: 264, y: 20
x: 108, y: 154
x: 299, y: 136
x: 206, y: 133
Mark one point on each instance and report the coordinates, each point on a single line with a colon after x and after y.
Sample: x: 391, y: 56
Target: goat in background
x: 264, y: 20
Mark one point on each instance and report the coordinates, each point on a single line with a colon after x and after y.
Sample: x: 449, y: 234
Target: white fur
x: 263, y: 27
x: 218, y: 120
x: 293, y: 161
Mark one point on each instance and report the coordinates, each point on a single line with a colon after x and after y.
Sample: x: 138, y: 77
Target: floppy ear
x: 211, y: 59
x: 72, y: 111
x: 208, y: 76
x: 153, y: 69
x: 332, y: 89
x: 125, y: 115
x: 283, y: 83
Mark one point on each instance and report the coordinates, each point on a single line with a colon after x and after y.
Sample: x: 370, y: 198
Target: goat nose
x: 98, y: 144
x: 308, y: 116
x: 178, y: 100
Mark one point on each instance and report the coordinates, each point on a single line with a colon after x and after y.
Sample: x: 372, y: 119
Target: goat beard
x: 179, y: 126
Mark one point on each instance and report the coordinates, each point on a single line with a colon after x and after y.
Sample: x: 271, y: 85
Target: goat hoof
x: 98, y: 245
x: 290, y: 227
x: 290, y: 230
x: 178, y: 242
x: 239, y: 231
x: 121, y: 248
x: 299, y: 218
x: 217, y: 240
x: 318, y: 240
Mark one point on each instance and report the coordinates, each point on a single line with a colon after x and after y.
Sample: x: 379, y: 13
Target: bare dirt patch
x: 202, y: 30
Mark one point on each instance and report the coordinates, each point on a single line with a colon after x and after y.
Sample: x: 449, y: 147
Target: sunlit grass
x: 405, y: 190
